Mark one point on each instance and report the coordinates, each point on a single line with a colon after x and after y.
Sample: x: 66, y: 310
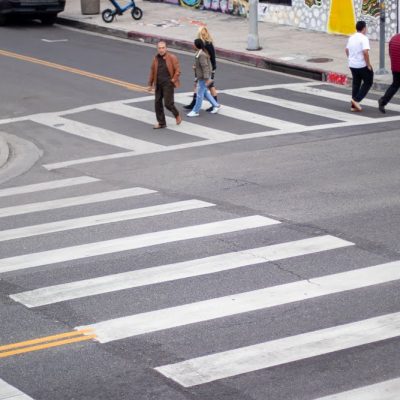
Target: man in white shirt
x: 357, y: 51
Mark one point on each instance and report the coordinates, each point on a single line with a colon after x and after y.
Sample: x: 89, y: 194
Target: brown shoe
x: 178, y: 119
x: 356, y: 105
x: 158, y: 126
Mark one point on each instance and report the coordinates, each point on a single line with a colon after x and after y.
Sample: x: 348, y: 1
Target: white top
x: 356, y: 44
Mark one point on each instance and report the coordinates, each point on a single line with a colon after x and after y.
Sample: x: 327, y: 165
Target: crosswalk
x: 215, y: 232
x: 261, y: 110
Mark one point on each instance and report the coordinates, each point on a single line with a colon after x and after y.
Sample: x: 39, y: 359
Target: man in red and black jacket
x: 394, y: 52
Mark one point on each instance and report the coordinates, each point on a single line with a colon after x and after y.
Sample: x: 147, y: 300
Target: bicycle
x: 108, y: 14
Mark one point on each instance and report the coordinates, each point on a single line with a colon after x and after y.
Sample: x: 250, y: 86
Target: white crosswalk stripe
x: 339, y: 96
x: 186, y: 128
x: 73, y: 201
x: 37, y: 187
x: 217, y: 366
x: 206, y: 310
x: 95, y: 133
x: 101, y: 219
x: 132, y: 242
x: 305, y: 108
x: 248, y: 116
x: 9, y: 392
x: 388, y: 390
x: 165, y: 273
x: 196, y: 128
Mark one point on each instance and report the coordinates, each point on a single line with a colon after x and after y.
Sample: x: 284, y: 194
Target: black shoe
x: 381, y: 106
x: 209, y: 109
x: 191, y: 105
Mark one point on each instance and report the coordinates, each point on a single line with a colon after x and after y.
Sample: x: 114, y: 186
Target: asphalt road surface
x: 248, y: 255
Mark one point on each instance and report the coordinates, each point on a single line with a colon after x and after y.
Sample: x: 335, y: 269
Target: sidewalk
x: 287, y: 49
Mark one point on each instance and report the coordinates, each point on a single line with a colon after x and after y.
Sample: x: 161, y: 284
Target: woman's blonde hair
x: 204, y: 34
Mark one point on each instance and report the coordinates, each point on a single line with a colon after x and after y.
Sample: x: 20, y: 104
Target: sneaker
x: 209, y: 109
x: 193, y: 114
x: 381, y: 106
x: 215, y: 110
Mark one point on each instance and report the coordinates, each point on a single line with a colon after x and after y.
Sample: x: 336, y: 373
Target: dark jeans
x: 165, y: 91
x: 362, y: 82
x: 392, y: 89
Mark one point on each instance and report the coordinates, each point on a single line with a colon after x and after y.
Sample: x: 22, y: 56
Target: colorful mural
x: 333, y: 16
x: 341, y: 17
x: 370, y: 7
x: 233, y: 7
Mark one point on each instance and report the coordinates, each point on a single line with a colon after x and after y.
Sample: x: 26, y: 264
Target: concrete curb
x: 22, y: 156
x: 236, y: 56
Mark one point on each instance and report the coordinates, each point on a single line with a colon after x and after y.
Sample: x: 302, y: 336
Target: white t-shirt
x: 356, y: 45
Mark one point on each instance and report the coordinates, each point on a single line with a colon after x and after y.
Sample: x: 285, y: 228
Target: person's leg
x: 169, y: 99
x: 193, y: 102
x: 158, y: 105
x: 211, y: 99
x: 392, y: 89
x: 201, y: 88
x: 355, y: 87
x: 367, y: 77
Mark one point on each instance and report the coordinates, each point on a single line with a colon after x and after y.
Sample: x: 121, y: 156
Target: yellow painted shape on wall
x: 341, y: 17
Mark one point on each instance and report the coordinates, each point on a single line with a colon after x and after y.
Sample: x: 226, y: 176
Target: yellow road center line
x: 60, y: 67
x: 46, y: 346
x: 45, y: 339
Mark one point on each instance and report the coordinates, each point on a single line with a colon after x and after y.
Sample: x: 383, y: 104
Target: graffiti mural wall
x: 233, y: 7
x: 333, y: 16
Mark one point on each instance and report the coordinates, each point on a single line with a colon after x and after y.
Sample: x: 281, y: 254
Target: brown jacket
x: 172, y: 66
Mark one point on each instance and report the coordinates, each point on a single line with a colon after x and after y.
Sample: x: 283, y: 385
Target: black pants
x: 392, y: 89
x: 165, y: 91
x: 362, y: 82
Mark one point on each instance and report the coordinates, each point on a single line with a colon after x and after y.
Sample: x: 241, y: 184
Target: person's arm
x: 367, y: 60
x: 151, y: 77
x: 177, y: 69
x: 211, y: 51
x: 347, y: 52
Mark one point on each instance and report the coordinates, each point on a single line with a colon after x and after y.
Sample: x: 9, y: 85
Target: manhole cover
x: 319, y: 60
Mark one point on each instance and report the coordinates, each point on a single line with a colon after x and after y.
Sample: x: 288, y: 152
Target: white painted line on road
x: 301, y: 107
x: 185, y: 127
x: 243, y: 360
x: 388, y: 390
x: 54, y: 40
x: 340, y: 96
x: 8, y: 392
x: 73, y: 201
x: 132, y: 242
x: 181, y: 270
x: 267, y: 87
x: 101, y: 219
x: 236, y: 113
x: 206, y: 310
x: 95, y: 133
x: 50, y: 185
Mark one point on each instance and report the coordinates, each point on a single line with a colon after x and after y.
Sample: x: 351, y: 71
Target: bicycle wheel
x: 107, y: 15
x: 137, y: 13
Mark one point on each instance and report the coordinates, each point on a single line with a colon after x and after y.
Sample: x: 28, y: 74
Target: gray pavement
x: 284, y: 48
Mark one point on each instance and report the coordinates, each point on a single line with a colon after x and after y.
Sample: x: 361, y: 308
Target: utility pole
x: 252, y: 38
x: 382, y: 38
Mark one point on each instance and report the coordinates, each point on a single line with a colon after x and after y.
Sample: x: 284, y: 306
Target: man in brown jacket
x: 164, y: 77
